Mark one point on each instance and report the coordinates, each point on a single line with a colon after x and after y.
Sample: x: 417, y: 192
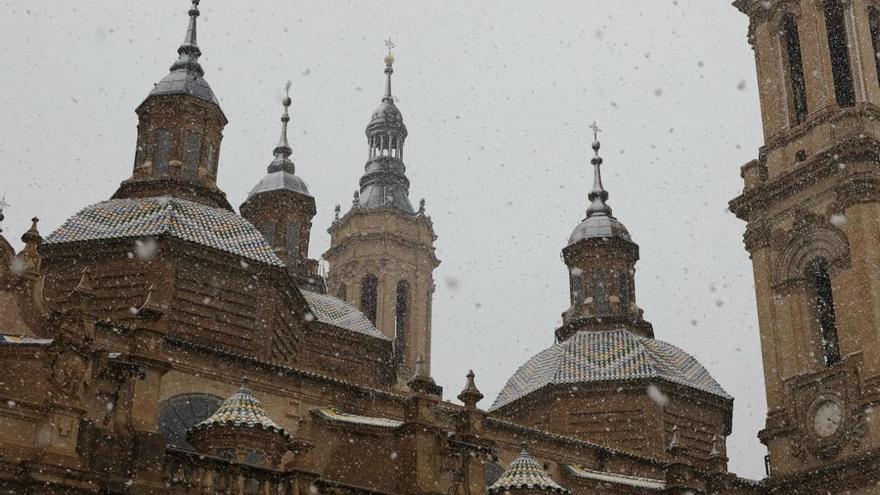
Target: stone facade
x: 160, y: 343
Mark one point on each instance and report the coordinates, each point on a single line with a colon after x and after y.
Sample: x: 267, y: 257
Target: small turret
x: 282, y: 208
x: 601, y: 258
x: 180, y: 127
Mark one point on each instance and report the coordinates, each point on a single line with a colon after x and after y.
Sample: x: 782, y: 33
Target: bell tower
x: 381, y: 252
x: 811, y: 201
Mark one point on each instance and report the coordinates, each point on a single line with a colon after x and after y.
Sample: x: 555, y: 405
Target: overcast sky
x: 497, y: 97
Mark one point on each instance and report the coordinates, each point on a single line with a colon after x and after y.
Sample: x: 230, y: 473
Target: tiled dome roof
x: 336, y: 312
x: 525, y: 473
x: 241, y: 410
x: 603, y: 226
x: 142, y: 217
x: 589, y: 356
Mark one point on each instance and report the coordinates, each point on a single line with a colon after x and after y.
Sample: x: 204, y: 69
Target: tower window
x: 212, y: 161
x: 369, y: 296
x: 577, y: 288
x: 191, y: 146
x: 624, y: 289
x: 401, y: 320
x: 269, y: 232
x: 795, y: 68
x: 823, y: 309
x: 600, y: 292
x: 874, y: 23
x: 163, y: 152
x: 292, y: 241
x: 837, y: 47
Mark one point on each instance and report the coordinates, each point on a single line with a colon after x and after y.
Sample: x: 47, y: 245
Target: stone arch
x: 811, y: 238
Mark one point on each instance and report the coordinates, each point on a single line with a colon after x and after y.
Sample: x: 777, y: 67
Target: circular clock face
x: 827, y: 418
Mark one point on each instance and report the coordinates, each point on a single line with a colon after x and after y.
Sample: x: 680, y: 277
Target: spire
x: 283, y: 150
x: 389, y: 69
x: 189, y: 52
x: 598, y: 196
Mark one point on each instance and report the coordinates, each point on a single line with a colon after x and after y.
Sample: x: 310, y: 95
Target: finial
x: 245, y: 384
x: 3, y: 205
x: 389, y: 69
x: 283, y: 150
x: 32, y: 236
x: 470, y: 395
x: 422, y: 211
x: 188, y: 51
x: 598, y: 195
x: 523, y: 444
x: 356, y: 200
x: 336, y: 212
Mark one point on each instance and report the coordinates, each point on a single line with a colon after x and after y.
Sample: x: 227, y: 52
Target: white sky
x: 497, y: 97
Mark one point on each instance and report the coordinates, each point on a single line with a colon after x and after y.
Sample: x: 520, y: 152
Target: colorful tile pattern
x: 335, y: 415
x: 607, y: 356
x: 144, y: 217
x: 336, y: 312
x: 525, y: 473
x: 242, y: 410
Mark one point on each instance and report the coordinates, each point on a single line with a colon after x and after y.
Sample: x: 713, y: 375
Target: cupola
x: 180, y: 127
x: 601, y: 258
x: 241, y: 431
x: 524, y: 476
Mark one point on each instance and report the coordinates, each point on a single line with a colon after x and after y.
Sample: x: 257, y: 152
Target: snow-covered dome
x: 615, y: 355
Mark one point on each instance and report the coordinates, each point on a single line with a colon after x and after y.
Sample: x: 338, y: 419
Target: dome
x: 280, y: 180
x: 524, y: 473
x: 386, y: 115
x: 242, y: 410
x: 601, y: 356
x: 135, y: 218
x: 599, y: 226
x: 182, y: 81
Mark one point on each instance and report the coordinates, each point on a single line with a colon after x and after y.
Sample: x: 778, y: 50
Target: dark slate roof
x: 589, y: 356
x: 182, y: 81
x: 242, y: 410
x: 598, y: 225
x: 336, y: 312
x: 525, y: 473
x: 280, y: 180
x: 142, y: 217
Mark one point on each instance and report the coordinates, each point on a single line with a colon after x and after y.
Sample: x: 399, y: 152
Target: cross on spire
x: 596, y: 130
x: 287, y: 87
x: 390, y: 44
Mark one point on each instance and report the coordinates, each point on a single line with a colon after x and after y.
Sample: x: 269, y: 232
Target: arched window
x: 401, y: 322
x: 837, y: 47
x: 823, y: 308
x: 625, y: 290
x: 795, y: 70
x: 576, y: 280
x: 192, y: 146
x: 874, y: 23
x: 370, y: 297
x: 181, y: 412
x: 600, y: 293
x: 292, y: 241
x: 163, y: 152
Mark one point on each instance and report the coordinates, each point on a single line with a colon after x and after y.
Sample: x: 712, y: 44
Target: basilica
x: 164, y: 342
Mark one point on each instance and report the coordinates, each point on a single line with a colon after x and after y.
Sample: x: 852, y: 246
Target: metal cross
x: 3, y: 204
x: 390, y: 44
x: 288, y: 86
x: 596, y: 130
